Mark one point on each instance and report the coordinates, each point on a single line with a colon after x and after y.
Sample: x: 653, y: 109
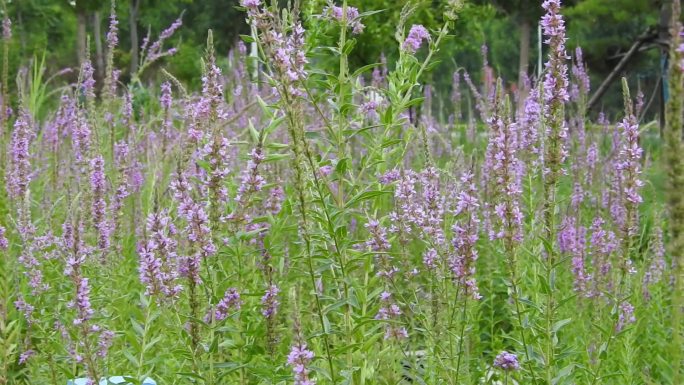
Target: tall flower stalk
x: 555, y: 93
x: 285, y: 47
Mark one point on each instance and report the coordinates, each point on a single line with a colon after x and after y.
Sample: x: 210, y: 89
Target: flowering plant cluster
x: 299, y: 222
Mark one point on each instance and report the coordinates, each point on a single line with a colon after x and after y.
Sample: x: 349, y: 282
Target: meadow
x: 300, y: 221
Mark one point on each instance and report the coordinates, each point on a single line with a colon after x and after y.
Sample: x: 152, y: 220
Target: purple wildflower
x: 270, y: 303
x: 299, y: 359
x: 415, y: 38
x: 555, y: 85
x: 325, y: 170
x: 389, y: 177
x: 113, y: 33
x: 26, y: 355
x: 230, y: 300
x: 4, y: 244
x: 529, y: 126
x: 572, y: 240
x: 82, y: 302
x: 25, y: 308
x: 251, y: 181
x: 582, y: 84
x: 19, y: 172
x: 81, y: 137
x: 603, y: 243
x: 369, y: 109
x: 628, y: 171
x: 352, y: 17
x: 87, y: 79
x: 6, y: 28
x: 104, y: 342
x: 155, y: 50
x: 503, y: 173
x: 430, y: 258
x: 165, y: 99
x: 390, y: 311
x: 215, y: 152
x: 274, y: 202
x: 158, y: 257
x: 466, y: 229
x: 507, y: 361
x: 626, y: 316
x: 99, y: 205
x: 379, y: 244
x: 198, y: 230
x: 252, y: 4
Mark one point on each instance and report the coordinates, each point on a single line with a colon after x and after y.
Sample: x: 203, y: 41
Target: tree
x: 525, y: 13
x: 134, y: 7
x: 83, y: 8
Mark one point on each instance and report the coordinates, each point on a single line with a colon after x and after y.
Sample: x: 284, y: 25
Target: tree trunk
x: 135, y: 44
x: 523, y: 65
x: 99, y: 52
x: 82, y: 19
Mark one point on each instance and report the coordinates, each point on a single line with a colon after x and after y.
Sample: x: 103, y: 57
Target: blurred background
x: 506, y: 31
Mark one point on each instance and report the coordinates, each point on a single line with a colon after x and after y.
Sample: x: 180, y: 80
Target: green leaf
x: 366, y: 195
x: 558, y: 325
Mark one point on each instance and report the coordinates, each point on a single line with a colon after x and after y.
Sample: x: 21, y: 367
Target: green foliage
x: 330, y: 244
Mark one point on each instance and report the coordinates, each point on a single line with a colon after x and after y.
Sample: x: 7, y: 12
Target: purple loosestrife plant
x: 351, y: 19
x: 420, y: 290
x: 529, y: 130
x: 465, y: 236
x: 503, y: 172
x: 555, y: 92
x: 230, y: 301
x: 389, y: 310
x: 251, y: 182
x: 99, y: 205
x: 299, y: 359
x: 83, y: 349
x: 166, y: 102
x: 269, y: 309
x: 4, y: 244
x: 150, y: 53
x: 269, y: 302
x: 159, y: 258
x: 506, y: 361
x: 415, y: 38
x: 112, y: 40
x: 628, y: 167
x: 19, y: 172
x: 391, y: 313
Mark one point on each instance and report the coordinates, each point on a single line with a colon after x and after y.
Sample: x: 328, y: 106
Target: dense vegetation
x: 305, y: 217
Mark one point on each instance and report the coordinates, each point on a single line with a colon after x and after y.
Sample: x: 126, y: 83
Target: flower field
x: 299, y: 220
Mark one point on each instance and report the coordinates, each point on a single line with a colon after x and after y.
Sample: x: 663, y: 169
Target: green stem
x: 143, y: 346
x: 462, y: 335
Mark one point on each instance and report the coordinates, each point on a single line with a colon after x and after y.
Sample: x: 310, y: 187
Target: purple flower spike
x: 299, y: 359
x: 507, y: 361
x: 415, y: 38
x: 270, y: 302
